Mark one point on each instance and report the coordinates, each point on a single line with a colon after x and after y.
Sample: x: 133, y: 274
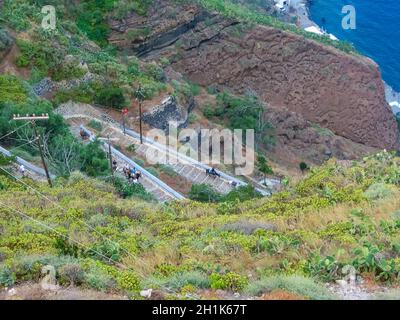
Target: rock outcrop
x: 340, y: 92
x: 168, y: 111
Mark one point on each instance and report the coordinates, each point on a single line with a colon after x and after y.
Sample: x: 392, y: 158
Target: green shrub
x: 71, y: 274
x: 131, y: 148
x: 240, y: 194
x: 195, y: 89
x: 83, y: 93
x: 326, y: 269
x: 164, y: 61
x: 378, y: 191
x: 95, y: 125
x: 153, y: 71
x: 204, y: 193
x: 128, y: 281
x: 303, y: 166
x: 99, y: 281
x: 68, y: 71
x: 128, y: 190
x: 231, y: 281
x: 106, y: 251
x: 208, y: 111
x: 166, y: 169
x: 140, y: 162
x: 295, y: 284
x: 111, y: 97
x: 153, y: 171
x: 181, y: 279
x: 94, y: 160
x: 7, y: 277
x: 12, y: 89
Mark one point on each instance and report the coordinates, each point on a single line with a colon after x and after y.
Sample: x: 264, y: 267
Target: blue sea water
x: 377, y: 33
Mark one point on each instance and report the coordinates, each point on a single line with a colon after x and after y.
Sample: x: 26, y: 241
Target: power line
x: 32, y: 119
x: 10, y: 133
x: 65, y: 210
x: 22, y: 145
x: 54, y: 230
x: 76, y: 241
x: 87, y: 225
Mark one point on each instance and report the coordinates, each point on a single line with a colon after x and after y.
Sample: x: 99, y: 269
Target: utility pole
x: 33, y: 118
x: 140, y: 123
x: 110, y: 156
x: 125, y: 112
x: 139, y: 94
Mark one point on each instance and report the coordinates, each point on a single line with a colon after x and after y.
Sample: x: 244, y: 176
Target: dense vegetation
x: 242, y: 112
x: 93, y: 75
x: 338, y: 215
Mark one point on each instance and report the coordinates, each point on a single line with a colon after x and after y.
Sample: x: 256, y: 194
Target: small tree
x: 204, y: 193
x: 111, y: 97
x: 263, y: 167
x: 303, y: 166
x: 140, y: 95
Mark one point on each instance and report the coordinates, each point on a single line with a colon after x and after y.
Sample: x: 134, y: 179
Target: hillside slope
x: 340, y: 214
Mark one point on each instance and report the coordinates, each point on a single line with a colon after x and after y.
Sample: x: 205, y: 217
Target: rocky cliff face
x: 340, y: 92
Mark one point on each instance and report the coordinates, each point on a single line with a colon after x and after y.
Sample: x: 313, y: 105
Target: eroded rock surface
x: 340, y: 92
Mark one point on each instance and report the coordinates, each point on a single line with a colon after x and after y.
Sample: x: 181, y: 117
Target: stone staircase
x: 148, y: 183
x: 191, y: 169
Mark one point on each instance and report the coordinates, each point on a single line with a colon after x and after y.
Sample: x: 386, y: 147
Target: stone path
x: 148, y: 181
x: 190, y: 169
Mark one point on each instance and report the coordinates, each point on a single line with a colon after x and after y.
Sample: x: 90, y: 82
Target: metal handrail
x: 151, y: 177
x: 26, y: 164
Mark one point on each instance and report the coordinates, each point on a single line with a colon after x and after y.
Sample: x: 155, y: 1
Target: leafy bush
x: 303, y: 166
x: 128, y: 190
x: 71, y: 274
x: 128, y: 281
x: 91, y: 19
x: 378, y: 191
x: 181, y: 279
x: 7, y: 277
x: 295, y: 284
x: 153, y: 171
x: 326, y: 269
x: 208, y: 111
x: 204, y: 193
x: 232, y: 281
x: 100, y: 281
x: 240, y: 194
x: 152, y: 70
x: 42, y: 55
x: 95, y: 125
x: 106, y: 251
x: 111, y: 97
x: 94, y: 160
x: 82, y: 93
x: 12, y: 89
x: 166, y: 169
